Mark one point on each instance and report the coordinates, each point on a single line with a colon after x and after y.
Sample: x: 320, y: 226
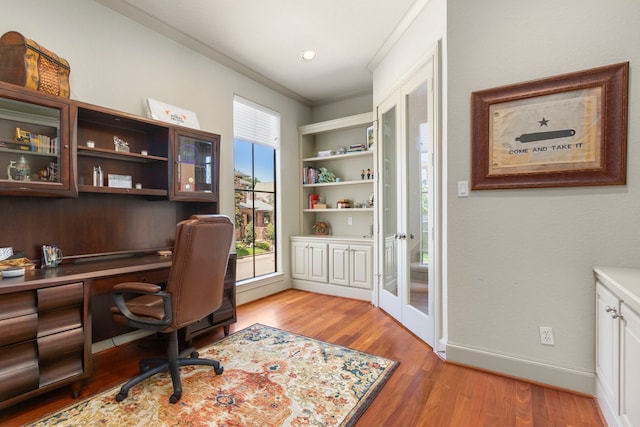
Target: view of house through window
x: 256, y: 136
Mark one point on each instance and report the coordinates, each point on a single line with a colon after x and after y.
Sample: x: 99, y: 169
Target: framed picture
x: 369, y: 137
x: 567, y: 130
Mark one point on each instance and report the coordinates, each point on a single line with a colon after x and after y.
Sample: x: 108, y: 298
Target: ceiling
x: 264, y: 39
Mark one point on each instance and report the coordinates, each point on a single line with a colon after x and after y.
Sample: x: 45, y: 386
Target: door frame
x: 439, y: 197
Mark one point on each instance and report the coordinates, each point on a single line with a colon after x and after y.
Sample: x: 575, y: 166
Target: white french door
x: 407, y: 139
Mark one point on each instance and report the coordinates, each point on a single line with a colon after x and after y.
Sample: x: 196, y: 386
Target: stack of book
x: 310, y: 175
x: 28, y: 141
x: 355, y: 147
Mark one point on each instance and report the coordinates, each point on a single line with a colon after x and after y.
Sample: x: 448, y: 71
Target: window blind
x: 255, y: 123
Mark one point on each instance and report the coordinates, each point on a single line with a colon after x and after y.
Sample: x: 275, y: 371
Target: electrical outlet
x: 546, y: 335
x: 350, y: 220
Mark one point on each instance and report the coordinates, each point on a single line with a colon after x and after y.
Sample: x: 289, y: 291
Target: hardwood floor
x: 423, y: 391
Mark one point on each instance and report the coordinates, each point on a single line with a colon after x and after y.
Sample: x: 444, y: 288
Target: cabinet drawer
x: 17, y: 304
x: 60, y: 370
x: 56, y: 321
x: 60, y: 346
x: 18, y: 370
x: 17, y: 329
x: 60, y: 296
x: 105, y: 285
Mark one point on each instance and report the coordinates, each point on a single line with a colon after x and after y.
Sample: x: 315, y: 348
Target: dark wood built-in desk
x: 49, y: 319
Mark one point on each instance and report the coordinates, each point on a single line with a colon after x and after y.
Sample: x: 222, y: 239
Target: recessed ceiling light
x: 308, y: 55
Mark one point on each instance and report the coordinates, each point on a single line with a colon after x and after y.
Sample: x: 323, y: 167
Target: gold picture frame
x: 566, y: 130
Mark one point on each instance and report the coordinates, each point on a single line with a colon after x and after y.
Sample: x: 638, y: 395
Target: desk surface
x: 82, y: 270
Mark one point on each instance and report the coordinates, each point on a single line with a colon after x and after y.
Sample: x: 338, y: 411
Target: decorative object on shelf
x: 51, y: 256
x: 144, y: 152
x: 370, y: 137
x: 325, y: 153
x: 341, y: 150
x: 343, y: 204
x: 91, y: 144
x: 50, y: 173
x: 370, y: 201
x: 24, y: 62
x: 158, y: 110
x: 369, y: 176
x: 22, y: 168
x: 119, y: 181
x: 98, y: 177
x: 313, y: 200
x: 362, y: 174
x: 321, y: 228
x: 120, y: 144
x: 326, y: 176
x: 353, y: 148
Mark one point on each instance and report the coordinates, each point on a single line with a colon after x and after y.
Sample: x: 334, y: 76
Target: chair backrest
x: 200, y: 256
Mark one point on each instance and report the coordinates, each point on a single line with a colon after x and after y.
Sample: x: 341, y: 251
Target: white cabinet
x: 618, y: 345
x: 351, y: 265
x: 331, y: 265
x: 309, y: 261
x: 629, y: 366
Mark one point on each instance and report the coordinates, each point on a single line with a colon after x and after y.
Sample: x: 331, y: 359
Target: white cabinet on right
x: 618, y: 345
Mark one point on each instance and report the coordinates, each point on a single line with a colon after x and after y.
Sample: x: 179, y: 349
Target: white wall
x: 117, y: 63
x: 519, y: 259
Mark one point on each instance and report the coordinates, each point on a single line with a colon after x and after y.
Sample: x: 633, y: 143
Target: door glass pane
x: 418, y: 200
x: 195, y: 157
x: 29, y: 142
x: 390, y: 205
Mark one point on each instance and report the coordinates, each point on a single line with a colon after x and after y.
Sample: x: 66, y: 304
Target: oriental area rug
x: 271, y: 378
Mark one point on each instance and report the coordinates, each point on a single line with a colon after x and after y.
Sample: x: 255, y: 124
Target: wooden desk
x: 49, y: 317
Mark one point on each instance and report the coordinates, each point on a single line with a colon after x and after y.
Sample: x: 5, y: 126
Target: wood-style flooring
x: 423, y: 391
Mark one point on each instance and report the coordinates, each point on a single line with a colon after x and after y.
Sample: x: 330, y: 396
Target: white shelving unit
x: 348, y: 168
x: 349, y: 243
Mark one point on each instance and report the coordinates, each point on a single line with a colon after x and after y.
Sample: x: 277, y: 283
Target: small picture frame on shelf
x: 370, y: 138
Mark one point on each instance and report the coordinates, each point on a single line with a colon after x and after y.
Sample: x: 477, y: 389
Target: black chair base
x: 171, y: 363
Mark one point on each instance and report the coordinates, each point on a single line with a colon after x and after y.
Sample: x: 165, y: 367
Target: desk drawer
x: 19, y: 371
x: 17, y: 304
x: 18, y: 329
x: 60, y: 296
x: 104, y: 285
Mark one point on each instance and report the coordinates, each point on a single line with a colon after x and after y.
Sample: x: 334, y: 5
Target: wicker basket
x: 25, y: 63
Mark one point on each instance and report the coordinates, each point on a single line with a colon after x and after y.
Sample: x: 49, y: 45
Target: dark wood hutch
x: 154, y: 175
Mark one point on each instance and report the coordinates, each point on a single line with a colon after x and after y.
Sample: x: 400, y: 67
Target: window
x: 256, y: 138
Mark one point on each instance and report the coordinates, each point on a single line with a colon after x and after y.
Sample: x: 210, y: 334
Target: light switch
x: 463, y: 188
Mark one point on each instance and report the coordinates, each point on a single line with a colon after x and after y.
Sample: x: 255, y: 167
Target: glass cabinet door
x: 195, y: 167
x: 34, y: 147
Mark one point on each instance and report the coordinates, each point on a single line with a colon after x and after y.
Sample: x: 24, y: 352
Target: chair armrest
x: 142, y: 288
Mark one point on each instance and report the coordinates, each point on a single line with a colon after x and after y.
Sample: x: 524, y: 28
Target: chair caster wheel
x: 144, y: 368
x: 121, y: 396
x: 219, y: 370
x: 173, y: 399
x: 194, y: 355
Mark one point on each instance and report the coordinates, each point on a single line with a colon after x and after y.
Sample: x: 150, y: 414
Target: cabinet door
x: 339, y: 264
x: 299, y: 262
x: 607, y: 341
x: 361, y: 266
x: 35, y: 151
x: 318, y: 262
x: 196, y: 160
x: 629, y: 366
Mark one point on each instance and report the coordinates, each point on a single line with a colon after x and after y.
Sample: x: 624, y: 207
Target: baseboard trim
x: 335, y: 290
x: 530, y: 370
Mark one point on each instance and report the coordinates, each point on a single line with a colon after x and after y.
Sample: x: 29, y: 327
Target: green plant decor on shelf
x: 326, y: 175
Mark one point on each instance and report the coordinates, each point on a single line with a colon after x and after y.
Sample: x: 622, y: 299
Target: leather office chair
x: 194, y: 290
